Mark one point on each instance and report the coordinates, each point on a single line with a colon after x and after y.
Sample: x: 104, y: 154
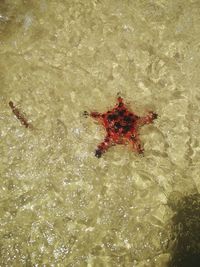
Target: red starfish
x: 121, y: 127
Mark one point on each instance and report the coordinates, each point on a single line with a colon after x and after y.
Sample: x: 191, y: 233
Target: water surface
x: 60, y: 205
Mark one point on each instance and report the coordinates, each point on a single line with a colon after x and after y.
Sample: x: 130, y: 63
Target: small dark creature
x: 19, y: 115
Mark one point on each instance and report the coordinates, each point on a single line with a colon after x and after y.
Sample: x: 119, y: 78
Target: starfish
x: 121, y: 127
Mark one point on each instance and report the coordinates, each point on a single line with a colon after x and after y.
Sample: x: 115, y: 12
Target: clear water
x: 59, y: 205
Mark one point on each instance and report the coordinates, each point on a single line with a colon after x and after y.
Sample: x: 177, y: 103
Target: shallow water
x: 60, y: 205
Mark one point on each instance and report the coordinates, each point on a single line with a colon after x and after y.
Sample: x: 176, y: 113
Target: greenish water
x: 60, y: 205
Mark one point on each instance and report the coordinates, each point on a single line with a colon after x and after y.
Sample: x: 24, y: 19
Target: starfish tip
x: 98, y: 153
x: 154, y: 115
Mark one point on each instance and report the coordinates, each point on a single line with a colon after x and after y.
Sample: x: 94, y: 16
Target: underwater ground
x: 59, y: 204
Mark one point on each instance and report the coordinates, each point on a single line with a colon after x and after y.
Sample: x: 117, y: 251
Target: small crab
x: 121, y: 127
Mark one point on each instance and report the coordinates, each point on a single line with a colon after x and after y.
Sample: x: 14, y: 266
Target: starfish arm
x: 120, y: 99
x: 103, y: 147
x: 147, y: 119
x: 95, y: 115
x: 120, y: 102
x: 136, y: 144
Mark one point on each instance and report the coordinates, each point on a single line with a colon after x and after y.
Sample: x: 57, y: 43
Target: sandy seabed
x: 59, y: 204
